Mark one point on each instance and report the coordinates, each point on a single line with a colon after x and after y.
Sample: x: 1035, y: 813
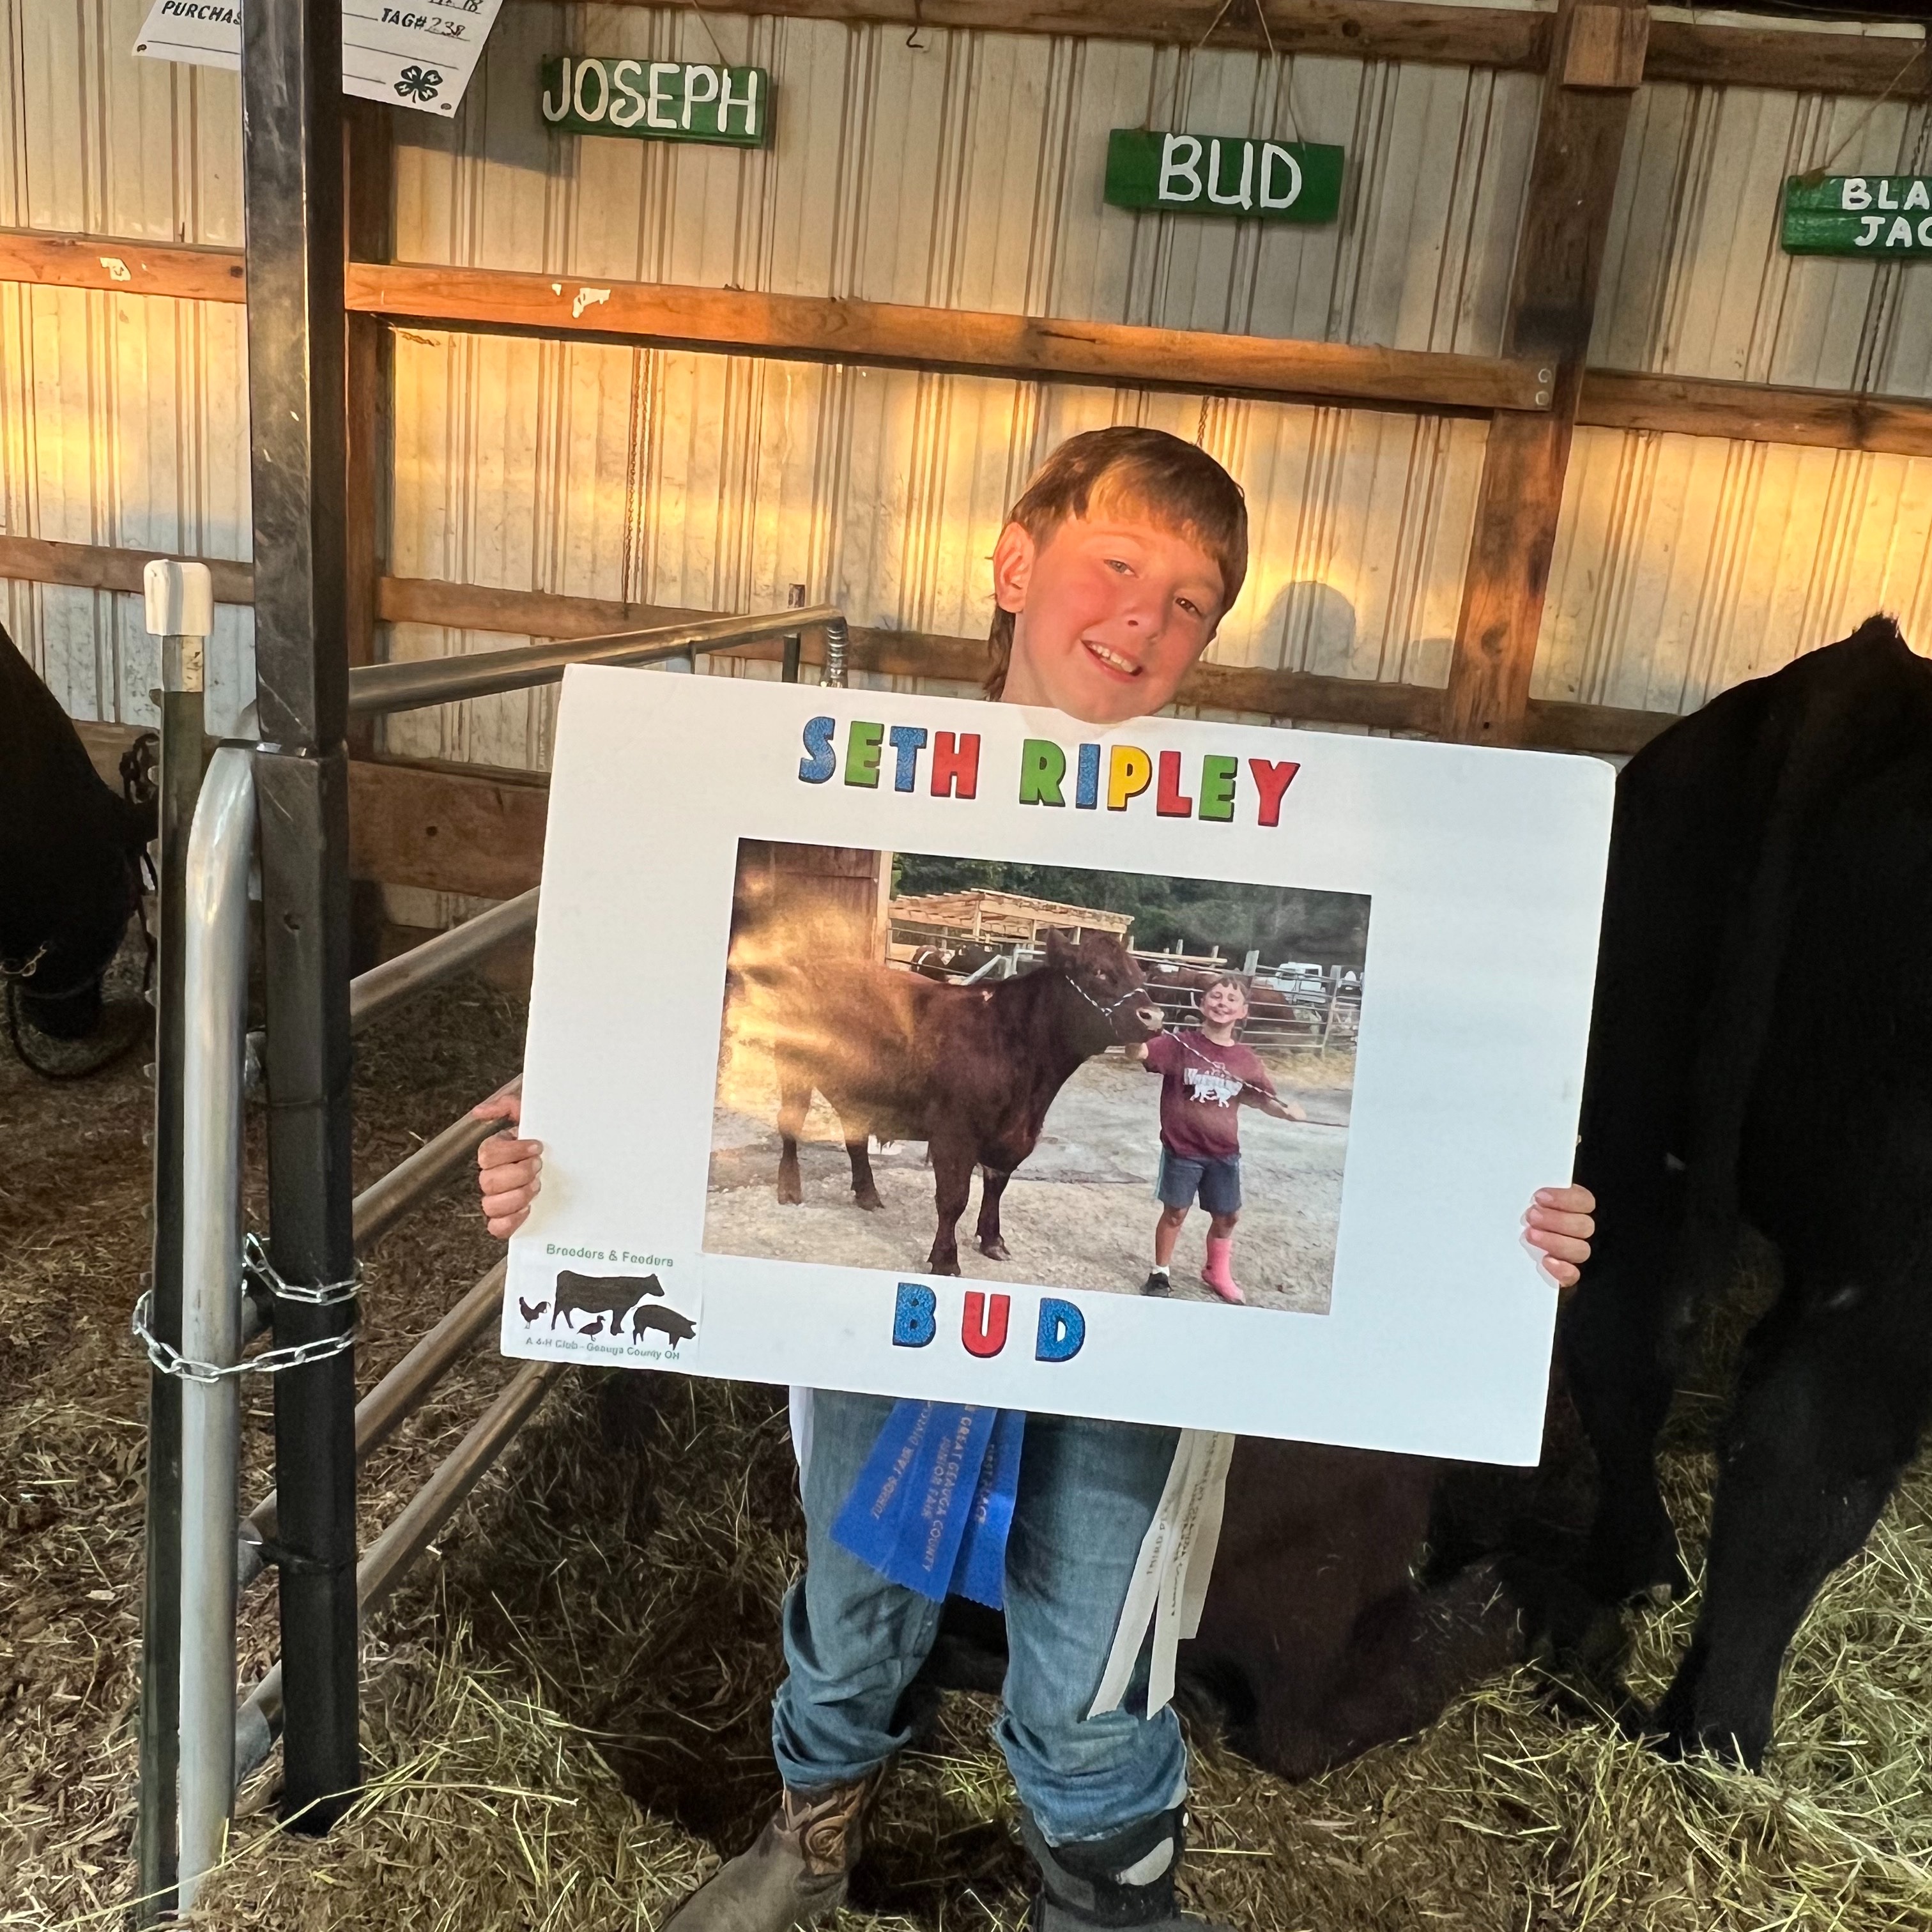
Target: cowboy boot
x: 1124, y: 1879
x: 796, y: 1873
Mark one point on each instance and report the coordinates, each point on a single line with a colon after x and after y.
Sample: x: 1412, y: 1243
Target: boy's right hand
x: 507, y: 1170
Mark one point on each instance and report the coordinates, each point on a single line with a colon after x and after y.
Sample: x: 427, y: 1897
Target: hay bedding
x: 565, y: 1715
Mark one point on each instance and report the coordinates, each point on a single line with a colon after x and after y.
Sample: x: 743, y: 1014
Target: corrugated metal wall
x: 967, y: 172
x: 123, y: 419
x: 1686, y: 563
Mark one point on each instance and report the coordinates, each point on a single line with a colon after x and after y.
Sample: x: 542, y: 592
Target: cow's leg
x: 865, y: 1191
x: 991, y: 1186
x: 794, y: 1101
x: 952, y: 1183
x: 1832, y: 1401
x: 1623, y: 1335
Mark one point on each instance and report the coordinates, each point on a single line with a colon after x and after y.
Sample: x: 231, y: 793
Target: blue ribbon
x: 931, y: 1507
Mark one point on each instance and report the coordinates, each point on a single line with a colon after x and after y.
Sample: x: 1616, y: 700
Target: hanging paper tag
x: 907, y: 1513
x: 1171, y: 1573
x: 981, y: 1571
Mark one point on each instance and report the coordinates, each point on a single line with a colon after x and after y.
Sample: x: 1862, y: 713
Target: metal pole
x: 385, y: 1202
x: 293, y: 172
x: 416, y: 682
x: 181, y: 612
x: 215, y: 991
x: 373, y: 993
x: 794, y: 640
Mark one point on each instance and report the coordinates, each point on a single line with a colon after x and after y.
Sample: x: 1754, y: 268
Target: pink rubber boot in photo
x: 1218, y: 1270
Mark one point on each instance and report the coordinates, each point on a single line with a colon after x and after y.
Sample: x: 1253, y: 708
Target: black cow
x: 1761, y: 1051
x: 70, y: 852
x: 611, y: 1294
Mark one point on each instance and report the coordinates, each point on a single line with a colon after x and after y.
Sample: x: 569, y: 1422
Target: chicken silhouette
x: 531, y: 1309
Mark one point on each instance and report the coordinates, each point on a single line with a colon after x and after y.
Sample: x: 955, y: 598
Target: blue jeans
x: 853, y: 1641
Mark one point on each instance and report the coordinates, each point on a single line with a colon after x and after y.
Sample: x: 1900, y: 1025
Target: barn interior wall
x: 967, y: 174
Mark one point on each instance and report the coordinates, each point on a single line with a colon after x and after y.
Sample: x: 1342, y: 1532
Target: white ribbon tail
x: 1171, y: 1572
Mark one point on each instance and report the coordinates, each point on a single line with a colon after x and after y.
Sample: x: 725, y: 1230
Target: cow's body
x: 69, y: 850
x: 969, y: 1070
x: 600, y: 1295
x: 1762, y: 1050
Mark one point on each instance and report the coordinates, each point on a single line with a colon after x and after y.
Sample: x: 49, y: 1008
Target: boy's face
x: 1109, y: 614
x: 1224, y: 1006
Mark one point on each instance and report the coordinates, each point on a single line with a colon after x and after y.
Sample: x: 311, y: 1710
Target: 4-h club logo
x: 419, y: 83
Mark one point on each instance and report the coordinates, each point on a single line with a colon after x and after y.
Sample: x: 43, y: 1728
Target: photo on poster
x: 892, y: 1019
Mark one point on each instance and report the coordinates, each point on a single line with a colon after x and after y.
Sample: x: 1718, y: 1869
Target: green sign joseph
x: 1223, y: 174
x: 657, y: 101
x: 1858, y: 215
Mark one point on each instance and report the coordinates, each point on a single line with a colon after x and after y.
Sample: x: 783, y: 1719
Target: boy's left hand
x: 1560, y: 1222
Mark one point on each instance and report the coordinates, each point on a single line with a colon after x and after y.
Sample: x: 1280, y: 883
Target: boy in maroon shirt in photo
x: 1205, y: 1077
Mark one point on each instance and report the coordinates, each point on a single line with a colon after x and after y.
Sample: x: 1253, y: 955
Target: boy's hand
x: 507, y: 1169
x: 1559, y: 1223
x: 1283, y: 1110
x: 1134, y: 1049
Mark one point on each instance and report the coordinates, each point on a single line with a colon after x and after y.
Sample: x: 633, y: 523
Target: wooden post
x: 1596, y: 64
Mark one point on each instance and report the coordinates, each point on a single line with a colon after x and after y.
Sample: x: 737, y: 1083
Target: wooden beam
x: 1757, y: 412
x: 1768, y: 56
x: 99, y: 567
x: 1572, y: 179
x: 1034, y: 348
x: 1352, y: 29
x: 1553, y: 725
x: 1304, y: 696
x: 1615, y: 399
x: 122, y: 268
x: 1788, y: 59
x: 447, y: 828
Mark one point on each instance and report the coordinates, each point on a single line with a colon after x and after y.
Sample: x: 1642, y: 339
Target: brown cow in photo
x: 970, y: 1070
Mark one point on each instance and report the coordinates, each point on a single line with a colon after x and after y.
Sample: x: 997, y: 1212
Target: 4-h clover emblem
x: 419, y: 85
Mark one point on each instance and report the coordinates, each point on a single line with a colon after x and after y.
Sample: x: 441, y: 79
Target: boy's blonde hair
x: 1176, y: 486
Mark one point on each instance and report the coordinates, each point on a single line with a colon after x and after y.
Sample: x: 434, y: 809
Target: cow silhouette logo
x: 612, y: 1294
x: 608, y: 1299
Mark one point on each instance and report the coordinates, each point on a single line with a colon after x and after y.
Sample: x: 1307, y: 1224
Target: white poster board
x: 1393, y: 1303
x: 411, y: 53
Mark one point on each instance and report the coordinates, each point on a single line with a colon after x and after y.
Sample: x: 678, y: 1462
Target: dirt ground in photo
x: 1078, y: 1213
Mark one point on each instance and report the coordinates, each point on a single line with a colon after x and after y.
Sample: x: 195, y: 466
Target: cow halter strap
x: 1131, y: 993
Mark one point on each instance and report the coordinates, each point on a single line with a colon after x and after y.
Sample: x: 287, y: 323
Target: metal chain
x: 170, y: 1361
x: 256, y: 1265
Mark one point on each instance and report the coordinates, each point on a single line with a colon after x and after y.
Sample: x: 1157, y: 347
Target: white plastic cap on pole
x: 180, y: 598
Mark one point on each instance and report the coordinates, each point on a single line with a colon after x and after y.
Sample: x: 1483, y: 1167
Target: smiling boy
x: 1111, y: 575
x: 1207, y: 1076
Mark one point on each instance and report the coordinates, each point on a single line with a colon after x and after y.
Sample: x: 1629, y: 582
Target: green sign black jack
x: 1858, y: 215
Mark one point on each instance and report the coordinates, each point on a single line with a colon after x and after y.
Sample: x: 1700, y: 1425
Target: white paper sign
x: 756, y: 894
x: 419, y: 55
